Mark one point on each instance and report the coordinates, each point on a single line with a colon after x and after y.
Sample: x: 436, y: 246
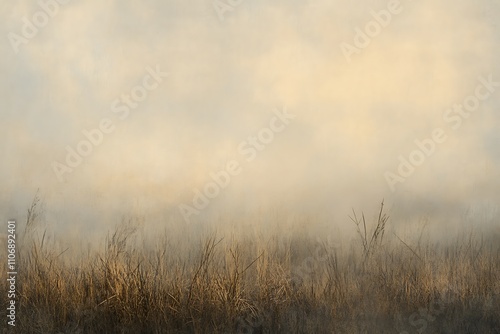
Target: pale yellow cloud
x: 226, y: 77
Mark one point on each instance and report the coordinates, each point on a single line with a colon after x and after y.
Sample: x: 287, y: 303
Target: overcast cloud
x: 225, y: 79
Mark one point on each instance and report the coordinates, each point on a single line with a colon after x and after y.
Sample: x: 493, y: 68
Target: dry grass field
x: 282, y: 284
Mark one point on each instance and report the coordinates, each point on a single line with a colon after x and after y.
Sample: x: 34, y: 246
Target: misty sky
x: 226, y: 80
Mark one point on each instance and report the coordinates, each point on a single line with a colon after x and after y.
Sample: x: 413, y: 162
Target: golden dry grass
x: 291, y: 284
